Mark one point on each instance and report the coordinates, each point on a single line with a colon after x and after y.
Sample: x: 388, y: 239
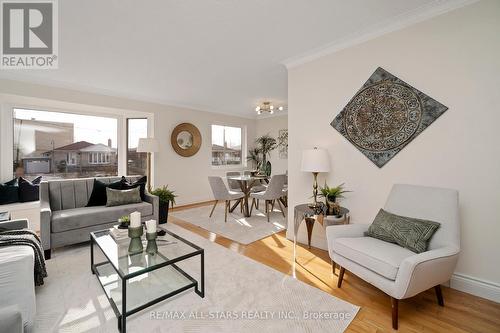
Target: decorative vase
x: 151, y: 247
x: 163, y: 212
x: 331, y: 204
x: 135, y: 245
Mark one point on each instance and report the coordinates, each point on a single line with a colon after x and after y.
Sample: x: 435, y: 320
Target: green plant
x: 265, y: 144
x: 125, y: 219
x: 332, y: 193
x: 253, y: 156
x: 164, y: 194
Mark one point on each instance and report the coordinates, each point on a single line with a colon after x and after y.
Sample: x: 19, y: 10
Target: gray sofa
x: 64, y: 219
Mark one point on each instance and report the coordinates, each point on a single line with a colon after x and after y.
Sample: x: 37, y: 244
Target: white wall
x: 454, y: 58
x: 272, y: 125
x: 186, y: 175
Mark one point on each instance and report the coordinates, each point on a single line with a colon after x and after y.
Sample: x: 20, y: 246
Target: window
x: 64, y: 145
x: 136, y: 162
x: 226, y: 145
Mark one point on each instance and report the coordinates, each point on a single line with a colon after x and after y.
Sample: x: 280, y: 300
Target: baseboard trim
x: 475, y: 286
x: 192, y: 205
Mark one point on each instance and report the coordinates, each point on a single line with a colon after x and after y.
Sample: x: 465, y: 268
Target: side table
x: 310, y: 215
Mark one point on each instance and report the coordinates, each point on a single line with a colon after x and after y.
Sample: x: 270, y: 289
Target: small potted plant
x: 124, y: 222
x: 167, y: 198
x: 331, y: 195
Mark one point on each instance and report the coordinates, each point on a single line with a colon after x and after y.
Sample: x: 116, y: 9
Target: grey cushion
x: 122, y: 197
x: 70, y: 219
x: 411, y: 233
x: 378, y: 256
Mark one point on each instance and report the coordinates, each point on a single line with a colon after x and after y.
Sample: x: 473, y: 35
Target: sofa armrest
x: 425, y: 270
x: 14, y: 224
x: 45, y: 216
x: 155, y: 201
x: 11, y: 320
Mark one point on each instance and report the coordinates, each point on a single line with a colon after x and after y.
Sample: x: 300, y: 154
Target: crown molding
x: 78, y: 88
x: 399, y: 22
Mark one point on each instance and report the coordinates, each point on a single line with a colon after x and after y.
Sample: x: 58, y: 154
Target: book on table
x: 118, y: 234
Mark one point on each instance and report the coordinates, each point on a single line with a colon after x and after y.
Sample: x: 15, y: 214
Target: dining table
x: 246, y: 183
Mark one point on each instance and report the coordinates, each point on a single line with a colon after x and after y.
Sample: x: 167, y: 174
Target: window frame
x: 243, y: 163
x: 126, y: 138
x: 10, y: 102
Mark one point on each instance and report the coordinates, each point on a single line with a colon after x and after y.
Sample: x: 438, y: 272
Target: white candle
x: 151, y: 226
x: 135, y: 220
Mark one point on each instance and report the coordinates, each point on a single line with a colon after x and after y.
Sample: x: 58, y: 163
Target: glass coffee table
x: 133, y: 282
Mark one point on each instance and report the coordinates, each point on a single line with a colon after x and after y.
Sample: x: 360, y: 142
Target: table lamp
x: 148, y: 145
x: 315, y: 161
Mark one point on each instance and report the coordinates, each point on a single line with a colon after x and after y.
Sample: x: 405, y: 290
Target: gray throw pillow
x: 122, y: 197
x: 411, y: 233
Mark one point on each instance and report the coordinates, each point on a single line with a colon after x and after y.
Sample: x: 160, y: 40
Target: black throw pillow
x: 9, y: 193
x: 98, y: 196
x: 29, y: 191
x: 12, y: 182
x: 141, y: 183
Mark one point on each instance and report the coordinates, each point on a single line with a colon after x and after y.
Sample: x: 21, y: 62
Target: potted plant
x: 253, y: 157
x: 331, y: 195
x: 166, y: 197
x: 265, y: 144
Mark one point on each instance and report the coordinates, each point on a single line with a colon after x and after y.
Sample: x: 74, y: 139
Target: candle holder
x: 135, y: 234
x: 151, y: 248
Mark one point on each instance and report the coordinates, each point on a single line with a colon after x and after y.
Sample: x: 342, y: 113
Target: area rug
x: 244, y: 230
x: 241, y: 295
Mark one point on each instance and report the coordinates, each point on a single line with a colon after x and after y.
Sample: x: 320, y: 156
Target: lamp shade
x: 148, y: 145
x: 315, y: 160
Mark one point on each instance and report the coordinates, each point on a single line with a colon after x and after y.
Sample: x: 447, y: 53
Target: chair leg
x: 281, y: 208
x: 272, y: 205
x: 241, y: 206
x: 439, y: 295
x: 267, y: 209
x: 257, y: 206
x: 225, y: 210
x: 213, y: 208
x: 333, y: 266
x: 394, y: 305
x: 251, y: 206
x: 341, y: 276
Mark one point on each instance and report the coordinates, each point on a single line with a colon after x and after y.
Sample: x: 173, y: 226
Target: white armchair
x: 397, y: 271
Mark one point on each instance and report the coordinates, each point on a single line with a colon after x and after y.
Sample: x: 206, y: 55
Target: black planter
x: 163, y: 214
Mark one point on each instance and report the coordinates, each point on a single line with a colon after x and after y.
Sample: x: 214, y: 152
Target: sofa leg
x: 46, y: 254
x: 439, y: 295
x: 394, y: 305
x: 341, y: 276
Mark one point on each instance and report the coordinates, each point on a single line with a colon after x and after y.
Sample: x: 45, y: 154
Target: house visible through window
x: 226, y: 145
x: 65, y: 145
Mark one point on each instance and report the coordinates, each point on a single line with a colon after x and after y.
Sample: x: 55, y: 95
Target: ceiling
x: 215, y: 55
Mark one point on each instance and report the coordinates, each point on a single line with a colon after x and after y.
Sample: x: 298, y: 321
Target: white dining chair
x: 273, y: 193
x: 221, y: 193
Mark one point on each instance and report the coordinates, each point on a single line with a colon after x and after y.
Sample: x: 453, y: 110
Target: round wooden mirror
x: 186, y: 139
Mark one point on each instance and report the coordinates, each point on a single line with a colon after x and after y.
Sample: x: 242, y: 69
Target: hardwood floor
x: 462, y: 312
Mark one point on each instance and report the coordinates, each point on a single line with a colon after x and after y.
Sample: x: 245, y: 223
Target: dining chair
x: 233, y: 184
x: 221, y: 193
x: 273, y: 192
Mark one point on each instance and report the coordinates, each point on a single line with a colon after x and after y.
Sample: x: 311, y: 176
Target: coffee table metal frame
x: 199, y: 288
